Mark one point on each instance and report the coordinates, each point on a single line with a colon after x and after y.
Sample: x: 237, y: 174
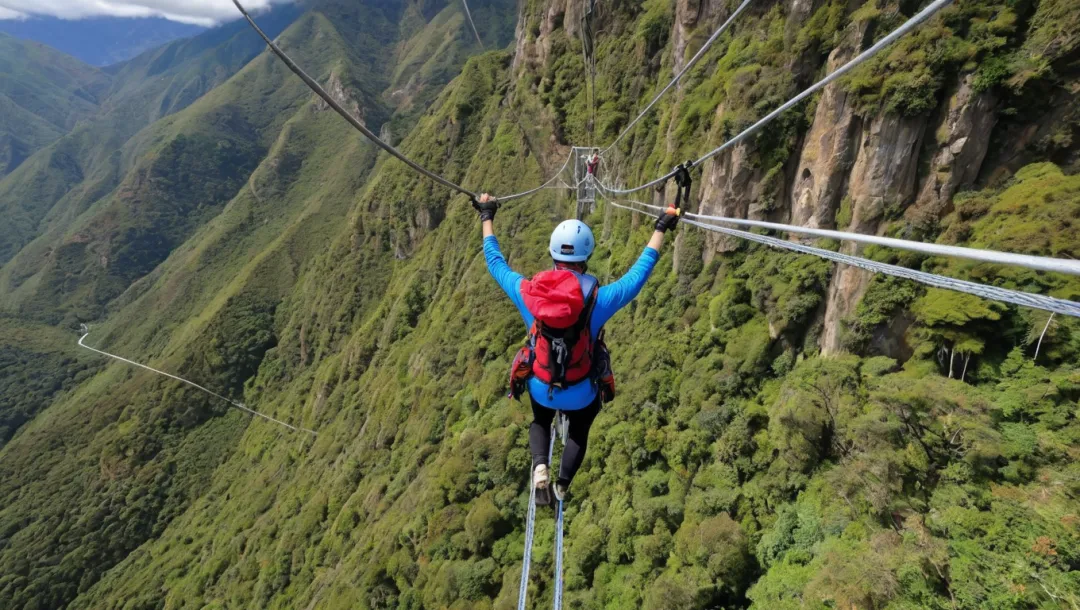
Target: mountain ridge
x: 99, y: 41
x: 737, y: 468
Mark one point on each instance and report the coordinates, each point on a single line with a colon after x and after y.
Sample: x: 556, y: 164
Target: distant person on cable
x: 592, y: 162
x: 565, y: 365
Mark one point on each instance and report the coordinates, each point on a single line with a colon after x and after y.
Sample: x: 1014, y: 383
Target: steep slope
x: 222, y: 286
x: 36, y: 364
x: 58, y: 183
x: 43, y: 94
x: 736, y: 468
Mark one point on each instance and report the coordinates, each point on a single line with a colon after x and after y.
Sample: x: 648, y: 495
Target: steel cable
x: 468, y: 15
x: 238, y: 405
x: 530, y: 530
x: 1026, y: 299
x: 690, y: 64
x: 553, y: 178
x: 1040, y: 263
x: 355, y: 122
x: 909, y: 25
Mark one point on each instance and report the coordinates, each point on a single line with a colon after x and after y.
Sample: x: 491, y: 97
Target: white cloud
x: 202, y: 12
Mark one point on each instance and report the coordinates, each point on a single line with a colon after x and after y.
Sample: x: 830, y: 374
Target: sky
x: 199, y: 12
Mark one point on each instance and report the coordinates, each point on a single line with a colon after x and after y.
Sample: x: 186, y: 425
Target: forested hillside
x: 787, y: 434
x: 43, y: 94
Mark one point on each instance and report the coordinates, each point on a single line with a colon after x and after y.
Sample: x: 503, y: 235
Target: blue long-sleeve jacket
x: 609, y: 299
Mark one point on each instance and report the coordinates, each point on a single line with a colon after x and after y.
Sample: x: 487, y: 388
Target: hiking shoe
x: 560, y: 490
x: 542, y: 483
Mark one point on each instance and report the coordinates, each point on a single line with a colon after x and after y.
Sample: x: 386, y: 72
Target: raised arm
x: 507, y: 279
x: 614, y: 297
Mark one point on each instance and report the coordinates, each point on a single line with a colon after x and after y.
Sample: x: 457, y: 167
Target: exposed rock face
x: 730, y: 186
x: 1027, y: 138
x: 882, y: 180
x: 532, y: 53
x: 803, y: 65
x: 963, y: 135
x: 687, y: 15
x: 336, y: 88
x: 827, y: 154
x: 883, y: 177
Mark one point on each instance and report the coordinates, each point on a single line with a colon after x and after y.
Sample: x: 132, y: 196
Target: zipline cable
x: 559, y: 428
x: 468, y: 15
x: 1040, y: 263
x: 557, y: 598
x: 553, y: 178
x: 530, y: 529
x: 1025, y: 299
x: 690, y: 64
x: 238, y: 405
x: 909, y: 25
x: 318, y: 89
x: 530, y: 522
x: 548, y: 182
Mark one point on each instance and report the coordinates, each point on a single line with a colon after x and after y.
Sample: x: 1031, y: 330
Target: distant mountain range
x: 100, y: 41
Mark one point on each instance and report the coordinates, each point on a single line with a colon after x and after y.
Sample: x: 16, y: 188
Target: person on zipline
x: 592, y: 162
x: 565, y: 365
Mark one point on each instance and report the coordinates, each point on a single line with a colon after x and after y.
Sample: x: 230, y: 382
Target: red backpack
x: 561, y: 350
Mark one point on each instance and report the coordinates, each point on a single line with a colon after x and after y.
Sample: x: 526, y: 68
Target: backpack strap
x: 590, y: 288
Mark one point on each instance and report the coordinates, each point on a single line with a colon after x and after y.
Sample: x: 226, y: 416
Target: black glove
x: 486, y: 209
x: 668, y: 220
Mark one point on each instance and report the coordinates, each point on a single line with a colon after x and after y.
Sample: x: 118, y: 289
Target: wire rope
x: 1040, y: 263
x: 238, y: 405
x: 355, y: 122
x: 690, y: 64
x: 1026, y: 299
x: 468, y: 15
x: 530, y: 530
x: 909, y: 25
x: 553, y: 178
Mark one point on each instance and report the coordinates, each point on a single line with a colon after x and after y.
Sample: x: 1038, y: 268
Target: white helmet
x: 572, y: 242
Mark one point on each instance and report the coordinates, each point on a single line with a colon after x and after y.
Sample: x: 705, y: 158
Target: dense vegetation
x: 738, y: 467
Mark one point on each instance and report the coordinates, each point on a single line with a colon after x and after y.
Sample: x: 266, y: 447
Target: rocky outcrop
x: 881, y: 183
x: 883, y: 177
x: 1046, y: 132
x: 531, y: 51
x: 688, y: 13
x: 336, y: 88
x: 731, y: 185
x: 963, y: 135
x: 827, y: 154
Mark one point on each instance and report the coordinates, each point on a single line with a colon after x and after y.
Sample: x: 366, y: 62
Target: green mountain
x: 787, y: 433
x: 58, y: 184
x: 43, y: 94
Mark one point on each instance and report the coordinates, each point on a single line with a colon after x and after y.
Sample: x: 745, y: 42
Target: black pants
x: 577, y: 437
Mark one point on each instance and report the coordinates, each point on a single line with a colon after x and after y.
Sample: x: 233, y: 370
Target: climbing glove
x: 668, y: 220
x: 486, y: 206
